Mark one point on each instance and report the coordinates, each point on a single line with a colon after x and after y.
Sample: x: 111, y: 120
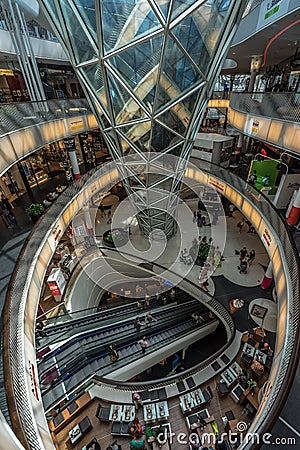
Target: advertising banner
x: 270, y: 11
x: 288, y: 184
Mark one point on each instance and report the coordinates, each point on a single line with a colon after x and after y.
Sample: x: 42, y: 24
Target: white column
x: 216, y: 152
x: 240, y: 143
x: 294, y: 214
x: 88, y: 220
x: 268, y: 277
x: 70, y: 147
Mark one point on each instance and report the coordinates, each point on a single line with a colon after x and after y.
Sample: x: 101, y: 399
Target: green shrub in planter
x: 35, y: 210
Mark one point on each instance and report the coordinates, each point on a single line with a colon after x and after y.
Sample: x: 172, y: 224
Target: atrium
x: 150, y: 217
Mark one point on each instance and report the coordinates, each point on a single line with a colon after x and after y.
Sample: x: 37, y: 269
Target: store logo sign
x: 272, y: 8
x: 56, y: 232
x: 267, y: 237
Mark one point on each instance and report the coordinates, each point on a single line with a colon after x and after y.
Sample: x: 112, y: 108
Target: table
x: 191, y: 400
x: 162, y: 410
x: 128, y: 413
x: 228, y: 376
x: 232, y: 425
x: 122, y: 413
x: 149, y: 412
x: 80, y: 430
x: 206, y: 435
x: 235, y: 368
x: 248, y: 349
x: 75, y: 434
x: 115, y: 413
x: 253, y: 399
x: 262, y: 355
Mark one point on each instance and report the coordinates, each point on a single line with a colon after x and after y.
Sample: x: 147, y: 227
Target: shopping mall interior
x: 149, y: 224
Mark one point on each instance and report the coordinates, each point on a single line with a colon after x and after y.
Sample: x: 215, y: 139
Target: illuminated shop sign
x: 56, y: 232
x: 267, y: 237
x: 33, y: 382
x: 217, y: 184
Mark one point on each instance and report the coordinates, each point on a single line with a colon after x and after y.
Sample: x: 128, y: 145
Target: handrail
x: 15, y: 116
x: 284, y: 106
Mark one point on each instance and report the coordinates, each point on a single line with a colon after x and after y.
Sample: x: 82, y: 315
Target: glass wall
x: 149, y: 68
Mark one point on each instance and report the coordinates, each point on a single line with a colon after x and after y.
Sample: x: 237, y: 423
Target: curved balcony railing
x: 14, y: 116
x: 276, y: 105
x: 287, y: 346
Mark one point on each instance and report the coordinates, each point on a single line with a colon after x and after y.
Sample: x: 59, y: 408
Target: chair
x: 162, y: 394
x: 249, y: 411
x: 206, y: 396
x: 180, y: 386
x: 203, y: 413
x: 269, y: 362
x: 103, y: 413
x: 222, y: 389
x: 85, y: 425
x: 246, y: 359
x: 144, y: 395
x: 90, y: 445
x: 229, y: 415
x: 252, y: 342
x: 72, y: 407
x: 210, y: 392
x: 116, y: 427
x: 190, y: 382
x: 58, y: 419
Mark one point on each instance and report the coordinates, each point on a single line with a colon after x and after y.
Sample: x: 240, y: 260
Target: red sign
x: 54, y: 289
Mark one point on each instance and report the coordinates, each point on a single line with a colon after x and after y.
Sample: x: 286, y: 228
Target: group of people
x: 199, y: 218
x: 148, y: 320
x: 242, y: 222
x: 246, y: 259
x: 135, y: 430
x: 198, y: 318
x: 51, y: 196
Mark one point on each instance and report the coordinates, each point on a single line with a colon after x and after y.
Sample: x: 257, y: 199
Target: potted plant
x: 251, y: 385
x: 35, y: 210
x: 149, y: 434
x: 159, y: 433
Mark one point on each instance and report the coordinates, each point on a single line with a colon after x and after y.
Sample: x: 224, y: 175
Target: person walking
x: 253, y: 178
x: 144, y: 344
x: 249, y: 225
x: 137, y: 324
x: 203, y: 277
x: 149, y: 319
x: 113, y: 353
x: 243, y: 253
x: 240, y: 225
x: 230, y: 210
x: 199, y: 219
x: 251, y: 257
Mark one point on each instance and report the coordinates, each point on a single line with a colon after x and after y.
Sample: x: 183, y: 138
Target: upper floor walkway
x: 27, y: 127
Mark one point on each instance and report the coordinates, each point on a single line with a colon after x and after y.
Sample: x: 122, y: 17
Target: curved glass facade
x: 148, y: 68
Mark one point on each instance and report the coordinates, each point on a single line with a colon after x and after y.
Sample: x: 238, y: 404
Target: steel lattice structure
x: 148, y: 68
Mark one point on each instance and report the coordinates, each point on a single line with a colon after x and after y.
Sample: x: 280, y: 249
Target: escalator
x: 64, y: 370
x: 66, y: 326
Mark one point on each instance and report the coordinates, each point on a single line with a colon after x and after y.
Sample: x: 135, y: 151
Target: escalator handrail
x: 123, y: 336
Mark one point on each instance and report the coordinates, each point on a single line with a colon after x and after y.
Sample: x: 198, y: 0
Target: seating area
x: 51, y: 196
x: 233, y: 395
